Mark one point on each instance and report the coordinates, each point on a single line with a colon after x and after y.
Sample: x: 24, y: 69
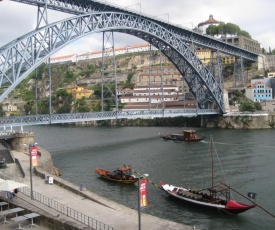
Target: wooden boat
x: 215, y: 196
x: 122, y: 175
x: 187, y: 136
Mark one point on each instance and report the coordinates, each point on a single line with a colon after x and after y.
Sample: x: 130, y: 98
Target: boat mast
x: 212, y: 176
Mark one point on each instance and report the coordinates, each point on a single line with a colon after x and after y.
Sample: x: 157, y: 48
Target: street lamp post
x: 139, y: 217
x: 30, y: 145
x: 31, y: 153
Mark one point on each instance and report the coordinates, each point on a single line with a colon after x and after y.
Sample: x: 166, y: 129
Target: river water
x: 247, y: 158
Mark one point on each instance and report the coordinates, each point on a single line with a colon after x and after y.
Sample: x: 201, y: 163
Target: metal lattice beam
x: 18, y: 60
x: 78, y: 7
x: 47, y: 119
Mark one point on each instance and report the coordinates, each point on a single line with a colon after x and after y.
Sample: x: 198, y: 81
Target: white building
x: 153, y: 94
x: 9, y: 108
x: 260, y: 90
x: 98, y: 54
x: 211, y: 21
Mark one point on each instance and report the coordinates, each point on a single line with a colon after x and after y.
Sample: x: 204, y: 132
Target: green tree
x: 245, y: 34
x: 212, y: 30
x: 258, y: 106
x: 62, y: 101
x: 108, y: 89
x: 43, y: 107
x: 69, y: 77
x: 28, y: 95
x: 28, y: 108
x: 258, y: 77
x: 128, y: 83
x: 2, y: 113
x: 81, y: 105
x: 96, y: 106
x: 231, y: 28
x: 247, y: 105
x: 225, y: 29
x: 97, y: 90
x: 91, y: 70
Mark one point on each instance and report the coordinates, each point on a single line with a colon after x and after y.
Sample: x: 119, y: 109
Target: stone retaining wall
x: 243, y: 121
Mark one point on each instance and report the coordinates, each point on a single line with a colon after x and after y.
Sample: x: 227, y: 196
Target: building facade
x: 153, y: 94
x: 268, y: 105
x: 270, y: 62
x: 79, y: 92
x: 259, y: 90
x: 165, y: 75
x: 210, y: 21
x: 244, y: 43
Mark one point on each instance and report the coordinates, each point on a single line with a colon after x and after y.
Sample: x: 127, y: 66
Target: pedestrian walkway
x: 101, y: 209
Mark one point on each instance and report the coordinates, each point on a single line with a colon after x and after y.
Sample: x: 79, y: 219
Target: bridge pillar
x: 239, y: 76
x: 226, y: 101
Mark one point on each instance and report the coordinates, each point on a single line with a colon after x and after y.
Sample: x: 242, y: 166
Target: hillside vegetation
x: 87, y: 74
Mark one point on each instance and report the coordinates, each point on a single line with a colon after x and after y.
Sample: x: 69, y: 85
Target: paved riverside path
x: 106, y: 211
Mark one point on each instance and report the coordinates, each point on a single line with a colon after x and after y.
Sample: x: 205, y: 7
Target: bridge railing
x: 105, y: 115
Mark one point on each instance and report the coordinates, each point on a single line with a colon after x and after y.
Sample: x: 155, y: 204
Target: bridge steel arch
x: 79, y: 7
x: 21, y: 56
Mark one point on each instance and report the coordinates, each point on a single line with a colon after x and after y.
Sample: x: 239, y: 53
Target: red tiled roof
x: 210, y: 20
x: 66, y: 56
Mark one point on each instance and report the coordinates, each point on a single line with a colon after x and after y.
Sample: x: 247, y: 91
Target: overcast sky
x: 257, y: 17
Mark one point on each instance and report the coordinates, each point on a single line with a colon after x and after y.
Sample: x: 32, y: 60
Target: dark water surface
x: 247, y: 157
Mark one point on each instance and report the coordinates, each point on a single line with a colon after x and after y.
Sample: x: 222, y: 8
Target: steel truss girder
x: 17, y: 59
x: 83, y: 6
x: 239, y: 76
x: 215, y: 67
x: 47, y: 119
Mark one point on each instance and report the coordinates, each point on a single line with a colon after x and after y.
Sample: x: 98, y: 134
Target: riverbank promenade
x: 111, y: 214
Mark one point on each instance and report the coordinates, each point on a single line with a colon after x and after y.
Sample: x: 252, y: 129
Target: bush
x: 247, y: 105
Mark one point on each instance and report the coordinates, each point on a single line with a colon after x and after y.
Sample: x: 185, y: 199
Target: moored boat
x: 214, y: 196
x: 122, y: 175
x: 210, y: 198
x: 187, y: 136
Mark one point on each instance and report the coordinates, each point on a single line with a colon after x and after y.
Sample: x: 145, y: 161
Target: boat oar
x: 248, y: 199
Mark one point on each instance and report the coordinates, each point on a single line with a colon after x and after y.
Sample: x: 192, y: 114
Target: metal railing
x: 82, y: 218
x: 46, y: 119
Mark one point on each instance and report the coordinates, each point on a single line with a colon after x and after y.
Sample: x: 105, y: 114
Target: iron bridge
x: 47, y: 119
x: 23, y: 55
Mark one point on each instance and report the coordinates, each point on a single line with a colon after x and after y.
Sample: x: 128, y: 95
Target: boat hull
x: 106, y: 174
x: 192, y: 197
x: 179, y: 137
x: 186, y: 136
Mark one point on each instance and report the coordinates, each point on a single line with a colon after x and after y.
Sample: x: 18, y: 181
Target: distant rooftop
x: 210, y: 21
